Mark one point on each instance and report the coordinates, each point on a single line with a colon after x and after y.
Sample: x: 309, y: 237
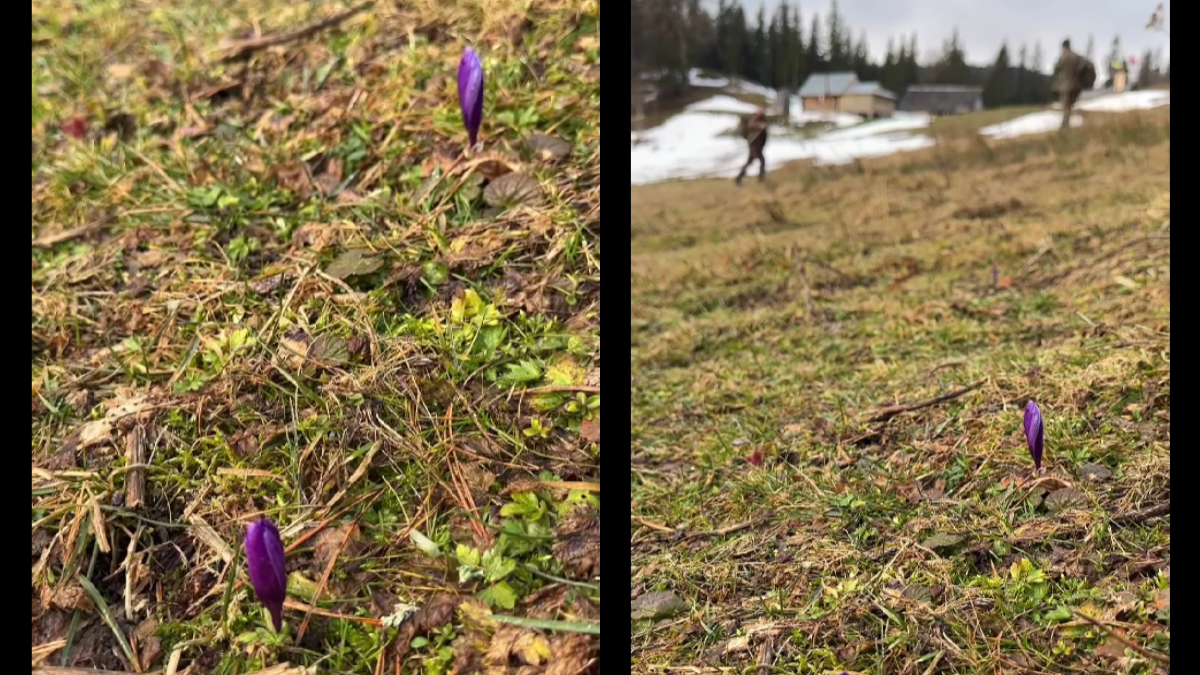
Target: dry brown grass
x: 778, y: 321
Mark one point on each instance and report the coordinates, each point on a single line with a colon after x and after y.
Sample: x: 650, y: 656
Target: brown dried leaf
x: 571, y: 655
x: 1095, y: 473
x: 437, y: 161
x: 149, y: 644
x: 917, y: 592
x: 468, y: 652
x: 1162, y: 599
x: 293, y: 348
x: 493, y: 167
x: 153, y: 257
x: 436, y: 612
x: 121, y: 71
x: 657, y: 605
x: 91, y: 433
x: 294, y: 178
x: 329, y: 350
x: 514, y: 642
x: 68, y: 596
x: 547, y: 148
x: 479, y: 480
x: 316, y: 235
x: 269, y: 281
x: 513, y: 189
x: 327, y: 543
x: 1111, y: 648
x: 328, y: 181
x: 578, y: 543
x: 354, y: 262
x: 1065, y: 498
x: 298, y: 349
x: 590, y: 430
x: 62, y: 460
x: 942, y: 540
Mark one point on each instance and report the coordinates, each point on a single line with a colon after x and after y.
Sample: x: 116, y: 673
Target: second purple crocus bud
x: 268, y: 569
x: 1034, y: 434
x: 470, y: 93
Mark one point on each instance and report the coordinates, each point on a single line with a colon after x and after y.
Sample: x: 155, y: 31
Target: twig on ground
x: 1040, y: 537
x: 1162, y: 658
x: 722, y: 531
x: 48, y: 240
x: 651, y: 524
x: 243, y: 48
x: 135, y: 456
x: 893, y: 410
x: 1145, y: 514
x: 350, y: 532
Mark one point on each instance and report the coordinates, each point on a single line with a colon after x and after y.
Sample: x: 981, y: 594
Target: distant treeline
x: 669, y: 37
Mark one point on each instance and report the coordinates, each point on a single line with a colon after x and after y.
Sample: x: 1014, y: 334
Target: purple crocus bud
x: 1034, y: 433
x: 470, y: 92
x: 268, y: 573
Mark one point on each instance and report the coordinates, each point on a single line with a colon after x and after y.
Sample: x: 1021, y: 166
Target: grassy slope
x: 973, y: 122
x: 781, y: 319
x: 181, y: 270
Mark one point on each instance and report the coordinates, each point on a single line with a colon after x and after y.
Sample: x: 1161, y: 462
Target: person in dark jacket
x: 756, y: 136
x: 1067, y: 83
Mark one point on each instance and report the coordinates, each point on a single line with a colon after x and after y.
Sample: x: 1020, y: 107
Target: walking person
x: 1120, y: 75
x: 756, y: 136
x: 1068, y: 72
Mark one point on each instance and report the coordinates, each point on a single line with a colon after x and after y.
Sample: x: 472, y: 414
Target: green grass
x: 785, y: 322
x: 274, y: 286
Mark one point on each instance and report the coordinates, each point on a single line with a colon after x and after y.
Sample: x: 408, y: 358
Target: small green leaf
x: 470, y: 573
x: 499, y: 595
x: 497, y: 566
x: 467, y: 555
x: 301, y: 586
x: 435, y: 272
x: 1058, y: 614
x: 565, y: 372
x: 490, y: 339
x: 523, y: 371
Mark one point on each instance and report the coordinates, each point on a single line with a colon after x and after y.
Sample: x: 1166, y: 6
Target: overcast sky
x: 984, y: 24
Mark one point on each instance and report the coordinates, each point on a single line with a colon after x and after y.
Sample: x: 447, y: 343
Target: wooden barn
x: 842, y: 92
x: 942, y: 99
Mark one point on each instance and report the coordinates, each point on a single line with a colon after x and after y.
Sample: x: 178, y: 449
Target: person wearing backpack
x: 1072, y: 73
x: 754, y: 131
